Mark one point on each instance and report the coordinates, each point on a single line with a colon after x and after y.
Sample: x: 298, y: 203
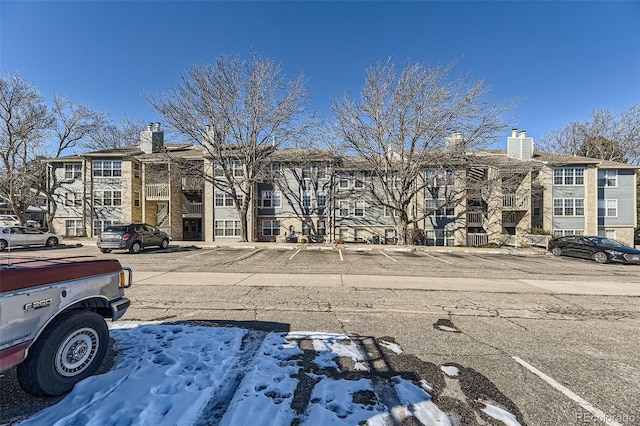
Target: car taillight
x: 126, y: 236
x: 100, y: 236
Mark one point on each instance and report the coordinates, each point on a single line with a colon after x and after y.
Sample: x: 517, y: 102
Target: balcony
x: 516, y: 202
x: 157, y: 191
x: 192, y: 209
x: 475, y: 219
x: 192, y: 183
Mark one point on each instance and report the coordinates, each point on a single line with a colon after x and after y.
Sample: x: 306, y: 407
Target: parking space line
x: 600, y: 415
x: 247, y: 255
x: 434, y: 257
x: 388, y: 256
x: 202, y: 252
x: 294, y: 254
x: 482, y: 258
x: 341, y: 258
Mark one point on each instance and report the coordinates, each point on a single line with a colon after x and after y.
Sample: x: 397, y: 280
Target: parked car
x: 12, y: 220
x: 53, y: 318
x: 133, y: 237
x: 13, y: 236
x: 600, y: 249
x: 9, y: 220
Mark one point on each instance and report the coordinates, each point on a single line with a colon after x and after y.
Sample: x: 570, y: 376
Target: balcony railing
x: 516, y: 202
x: 477, y: 240
x: 192, y: 209
x: 475, y: 219
x: 157, y: 191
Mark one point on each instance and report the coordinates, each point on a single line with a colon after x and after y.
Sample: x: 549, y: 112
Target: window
x: 306, y: 199
x: 566, y: 232
x: 73, y: 228
x: 107, y: 198
x: 358, y: 235
x: 536, y: 207
x: 72, y: 171
x: 607, y: 208
x: 388, y: 211
x: 607, y: 233
x: 322, y: 227
x: 136, y: 199
x: 306, y: 227
x: 270, y: 199
x: 271, y: 170
x: 607, y: 178
x: 107, y: 168
x: 568, y: 206
x: 306, y: 171
x: 359, y: 182
x: 136, y: 170
x: 439, y: 177
x: 343, y: 206
x: 72, y: 199
x: 359, y: 208
x: 227, y: 228
x: 343, y: 233
x: 439, y: 207
x: 322, y: 171
x: 225, y: 200
x: 238, y: 171
x: 568, y: 176
x: 270, y: 228
x: 99, y: 225
x: 344, y: 180
x: 321, y: 199
x: 218, y: 171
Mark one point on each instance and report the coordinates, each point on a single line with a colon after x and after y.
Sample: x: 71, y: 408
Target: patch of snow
x: 179, y: 374
x: 500, y: 414
x: 391, y: 346
x: 450, y: 370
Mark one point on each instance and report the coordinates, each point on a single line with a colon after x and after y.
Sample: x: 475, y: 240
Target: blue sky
x: 561, y: 59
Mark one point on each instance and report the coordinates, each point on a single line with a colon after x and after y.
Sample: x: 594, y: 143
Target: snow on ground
x: 180, y: 374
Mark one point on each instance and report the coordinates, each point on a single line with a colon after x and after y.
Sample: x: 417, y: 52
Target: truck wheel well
x: 96, y: 304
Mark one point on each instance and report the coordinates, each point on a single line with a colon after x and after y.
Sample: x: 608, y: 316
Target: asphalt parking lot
x: 585, y: 344
x: 368, y: 260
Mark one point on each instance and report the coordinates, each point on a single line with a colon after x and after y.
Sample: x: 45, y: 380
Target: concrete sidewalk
x: 603, y: 288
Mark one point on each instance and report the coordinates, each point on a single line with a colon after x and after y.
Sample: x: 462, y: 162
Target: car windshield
x: 604, y: 241
x: 119, y: 228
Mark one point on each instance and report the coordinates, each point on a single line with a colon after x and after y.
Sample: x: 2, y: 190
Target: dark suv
x: 133, y: 237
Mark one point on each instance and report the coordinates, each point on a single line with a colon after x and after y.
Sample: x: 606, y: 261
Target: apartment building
x: 487, y: 197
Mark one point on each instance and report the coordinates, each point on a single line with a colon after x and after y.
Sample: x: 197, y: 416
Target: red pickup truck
x: 52, y: 318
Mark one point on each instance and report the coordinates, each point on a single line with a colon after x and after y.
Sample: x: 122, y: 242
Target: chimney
x: 151, y: 140
x: 520, y: 146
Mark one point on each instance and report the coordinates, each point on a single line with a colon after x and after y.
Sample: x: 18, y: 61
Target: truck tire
x: 69, y: 350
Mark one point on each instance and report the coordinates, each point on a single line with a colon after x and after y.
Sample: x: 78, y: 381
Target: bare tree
x: 24, y: 124
x: 399, y: 127
x: 603, y: 135
x: 115, y: 135
x: 248, y: 111
x: 73, y: 124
